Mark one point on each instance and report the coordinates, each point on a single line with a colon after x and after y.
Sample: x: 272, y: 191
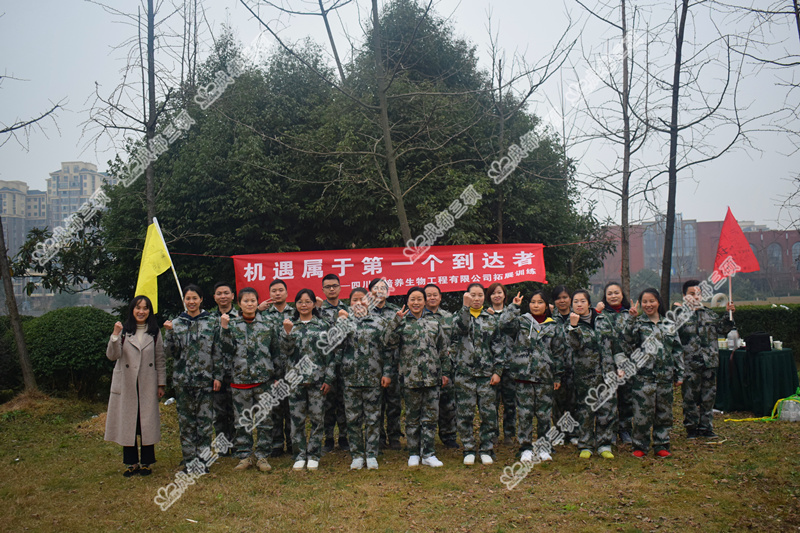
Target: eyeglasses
x: 329, y: 287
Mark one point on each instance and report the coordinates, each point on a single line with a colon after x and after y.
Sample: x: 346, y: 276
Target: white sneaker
x: 299, y: 465
x: 357, y: 464
x: 413, y: 460
x: 432, y: 461
x: 544, y: 456
x: 312, y: 464
x: 372, y: 463
x: 486, y: 459
x: 526, y: 457
x: 574, y: 441
x: 469, y: 459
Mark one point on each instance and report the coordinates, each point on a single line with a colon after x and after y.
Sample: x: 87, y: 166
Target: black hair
x: 547, y: 311
x: 130, y: 322
x: 558, y: 289
x: 376, y: 281
x: 331, y: 276
x: 246, y: 290
x: 469, y: 287
x: 689, y: 284
x: 626, y: 304
x: 310, y: 294
x: 225, y: 284
x: 413, y: 290
x: 662, y: 309
x: 585, y: 293
x: 493, y: 287
x: 361, y: 290
x: 432, y: 286
x: 276, y: 281
x: 193, y: 288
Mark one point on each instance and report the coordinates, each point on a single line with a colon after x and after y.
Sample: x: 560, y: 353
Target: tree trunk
x: 150, y: 127
x: 500, y: 149
x: 391, y: 157
x: 626, y: 164
x: 669, y: 230
x: 13, y: 315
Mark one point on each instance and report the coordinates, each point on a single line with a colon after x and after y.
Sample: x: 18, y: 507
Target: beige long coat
x: 144, y: 363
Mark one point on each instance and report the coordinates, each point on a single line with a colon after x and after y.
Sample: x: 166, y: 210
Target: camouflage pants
x: 533, y: 400
x: 564, y: 401
x: 625, y: 407
x: 652, y: 408
x: 472, y: 392
x: 243, y: 445
x: 195, y: 418
x: 506, y: 393
x: 281, y: 425
x: 223, y: 411
x: 447, y: 412
x: 422, y: 413
x: 335, y: 410
x: 391, y: 408
x: 596, y: 429
x: 699, y: 392
x: 361, y: 406
x: 307, y: 401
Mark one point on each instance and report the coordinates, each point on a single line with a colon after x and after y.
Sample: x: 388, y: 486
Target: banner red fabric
x: 733, y: 244
x: 452, y: 268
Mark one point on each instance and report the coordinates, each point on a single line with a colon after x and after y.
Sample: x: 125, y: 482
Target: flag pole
x: 730, y: 296
x: 180, y: 290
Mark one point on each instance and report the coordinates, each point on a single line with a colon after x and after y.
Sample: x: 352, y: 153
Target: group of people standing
x: 353, y: 365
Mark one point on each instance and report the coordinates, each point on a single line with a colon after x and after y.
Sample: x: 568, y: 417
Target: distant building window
x: 796, y: 255
x: 774, y: 257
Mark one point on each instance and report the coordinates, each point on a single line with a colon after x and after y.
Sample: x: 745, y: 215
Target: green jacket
x: 699, y: 337
x: 423, y: 349
x: 303, y: 342
x: 362, y: 360
x: 592, y: 353
x: 536, y: 351
x: 476, y: 341
x: 252, y: 351
x: 193, y: 345
x: 661, y: 352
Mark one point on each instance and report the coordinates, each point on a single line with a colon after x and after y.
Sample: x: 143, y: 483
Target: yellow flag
x: 155, y: 261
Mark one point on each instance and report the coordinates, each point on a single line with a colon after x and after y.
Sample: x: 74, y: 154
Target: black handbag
x: 757, y: 342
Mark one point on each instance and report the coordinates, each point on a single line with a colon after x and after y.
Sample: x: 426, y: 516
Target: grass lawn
x: 57, y: 474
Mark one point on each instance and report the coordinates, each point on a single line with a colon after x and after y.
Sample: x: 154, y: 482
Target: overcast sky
x: 59, y: 49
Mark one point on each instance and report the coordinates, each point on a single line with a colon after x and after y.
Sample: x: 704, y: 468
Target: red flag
x: 733, y: 252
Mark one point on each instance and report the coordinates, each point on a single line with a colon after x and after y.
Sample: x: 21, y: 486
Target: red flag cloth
x: 733, y: 252
x: 452, y: 268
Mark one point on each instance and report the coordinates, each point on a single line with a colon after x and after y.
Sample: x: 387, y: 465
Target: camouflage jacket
x: 277, y: 317
x: 252, y: 351
x: 475, y: 341
x: 699, y: 336
x: 619, y: 320
x: 566, y: 351
x: 445, y: 319
x: 385, y: 314
x: 331, y: 313
x: 503, y: 342
x: 362, y: 359
x: 423, y: 349
x: 304, y: 341
x: 660, y: 358
x: 592, y: 354
x: 536, y: 350
x: 193, y: 345
x: 232, y: 313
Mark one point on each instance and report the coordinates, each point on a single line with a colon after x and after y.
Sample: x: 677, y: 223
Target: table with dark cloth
x: 754, y: 382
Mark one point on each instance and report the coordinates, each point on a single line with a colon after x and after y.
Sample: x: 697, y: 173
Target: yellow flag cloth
x: 155, y: 261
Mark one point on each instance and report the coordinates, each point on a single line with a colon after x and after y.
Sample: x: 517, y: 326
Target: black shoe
x: 343, y: 444
x: 394, y: 444
x: 625, y: 437
x: 691, y: 434
x: 145, y: 470
x: 708, y: 433
x: 328, y: 447
x: 132, y: 470
x: 450, y: 443
x: 276, y: 452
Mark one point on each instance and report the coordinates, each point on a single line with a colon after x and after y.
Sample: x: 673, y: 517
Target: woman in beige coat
x: 139, y: 380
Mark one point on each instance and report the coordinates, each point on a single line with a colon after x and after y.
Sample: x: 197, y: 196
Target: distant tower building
x: 14, y: 198
x: 71, y: 186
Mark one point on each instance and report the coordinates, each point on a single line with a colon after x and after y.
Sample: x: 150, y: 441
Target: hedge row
x: 782, y: 322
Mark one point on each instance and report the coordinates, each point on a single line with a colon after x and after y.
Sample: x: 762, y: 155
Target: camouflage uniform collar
x: 232, y: 313
x: 187, y: 316
x: 327, y: 305
x: 273, y: 309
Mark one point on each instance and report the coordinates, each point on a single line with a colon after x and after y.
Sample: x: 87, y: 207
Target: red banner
x: 452, y: 268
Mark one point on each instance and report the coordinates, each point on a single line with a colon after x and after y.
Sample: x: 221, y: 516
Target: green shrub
x: 67, y: 348
x: 10, y: 372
